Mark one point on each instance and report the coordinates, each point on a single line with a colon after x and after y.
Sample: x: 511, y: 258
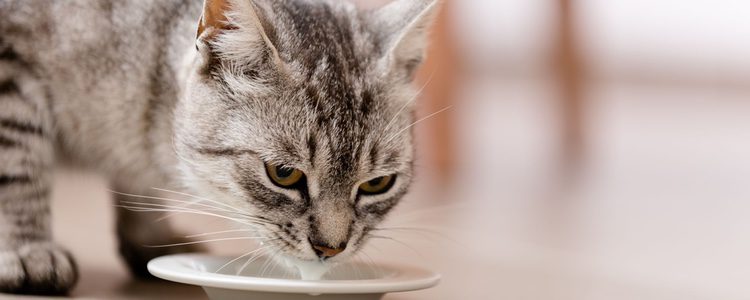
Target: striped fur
x: 27, y: 257
x: 126, y: 88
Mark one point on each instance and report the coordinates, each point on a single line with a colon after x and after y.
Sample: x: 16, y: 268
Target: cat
x: 295, y: 114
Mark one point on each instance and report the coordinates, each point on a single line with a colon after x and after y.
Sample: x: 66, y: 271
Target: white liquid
x: 310, y: 270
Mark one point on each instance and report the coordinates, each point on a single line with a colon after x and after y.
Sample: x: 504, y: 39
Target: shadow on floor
x: 109, y: 284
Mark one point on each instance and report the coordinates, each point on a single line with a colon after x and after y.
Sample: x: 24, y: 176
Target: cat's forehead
x: 322, y: 36
x: 347, y: 121
x: 334, y: 107
x: 341, y: 129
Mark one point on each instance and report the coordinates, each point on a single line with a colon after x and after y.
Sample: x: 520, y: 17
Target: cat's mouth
x: 315, y: 261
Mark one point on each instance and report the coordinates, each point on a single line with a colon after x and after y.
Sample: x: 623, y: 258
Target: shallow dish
x: 347, y: 281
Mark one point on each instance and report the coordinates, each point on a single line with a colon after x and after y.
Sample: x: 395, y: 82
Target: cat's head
x: 298, y: 113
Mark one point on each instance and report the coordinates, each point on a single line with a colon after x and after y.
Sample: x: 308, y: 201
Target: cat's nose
x: 323, y: 250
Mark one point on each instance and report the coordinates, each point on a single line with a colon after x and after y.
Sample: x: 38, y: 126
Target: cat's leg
x: 30, y: 262
x: 139, y: 232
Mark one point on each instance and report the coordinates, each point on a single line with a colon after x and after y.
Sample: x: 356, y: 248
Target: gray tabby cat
x: 294, y: 113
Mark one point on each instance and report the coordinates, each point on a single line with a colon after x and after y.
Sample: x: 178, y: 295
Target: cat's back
x: 48, y: 30
x: 105, y: 65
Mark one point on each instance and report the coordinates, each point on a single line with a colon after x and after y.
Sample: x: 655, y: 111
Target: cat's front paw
x: 42, y: 268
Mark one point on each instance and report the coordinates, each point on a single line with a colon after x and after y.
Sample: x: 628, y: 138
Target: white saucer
x: 347, y: 281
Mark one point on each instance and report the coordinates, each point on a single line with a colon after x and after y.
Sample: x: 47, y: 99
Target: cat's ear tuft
x: 236, y: 31
x: 406, y: 24
x: 214, y: 18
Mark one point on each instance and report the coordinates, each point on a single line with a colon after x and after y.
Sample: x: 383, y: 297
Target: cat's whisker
x: 376, y: 248
x: 169, y: 200
x: 363, y: 259
x: 397, y: 242
x: 402, y: 228
x: 358, y: 265
x: 269, y: 261
x: 171, y: 207
x: 149, y: 209
x: 187, y: 204
x: 206, y: 241
x: 255, y: 257
x: 355, y: 266
x: 218, y: 232
x: 236, y: 259
x: 250, y: 260
x: 406, y: 217
x: 274, y: 265
x: 416, y: 96
x: 240, y: 221
x: 416, y: 230
x: 198, y: 200
x: 371, y: 264
x: 416, y: 122
x: 265, y: 264
x: 198, y: 197
x: 170, y: 215
x: 210, y: 208
x: 288, y: 274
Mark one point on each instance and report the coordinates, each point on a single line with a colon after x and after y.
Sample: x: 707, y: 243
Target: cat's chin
x: 307, y: 269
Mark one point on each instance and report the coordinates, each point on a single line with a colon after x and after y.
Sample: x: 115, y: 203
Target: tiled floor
x: 659, y: 209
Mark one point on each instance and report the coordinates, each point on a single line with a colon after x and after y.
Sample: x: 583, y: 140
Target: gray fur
x: 124, y: 87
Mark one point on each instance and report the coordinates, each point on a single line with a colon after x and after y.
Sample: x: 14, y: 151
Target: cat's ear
x: 214, y: 18
x: 235, y: 30
x: 406, y: 24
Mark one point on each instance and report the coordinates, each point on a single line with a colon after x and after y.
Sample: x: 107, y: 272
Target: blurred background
x: 592, y: 150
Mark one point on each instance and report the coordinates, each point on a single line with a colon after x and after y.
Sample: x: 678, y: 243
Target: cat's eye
x: 378, y: 185
x: 284, y: 176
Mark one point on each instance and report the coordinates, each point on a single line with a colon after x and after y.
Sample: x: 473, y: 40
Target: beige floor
x: 658, y: 211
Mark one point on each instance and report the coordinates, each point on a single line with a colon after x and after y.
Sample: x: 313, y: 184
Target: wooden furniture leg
x: 570, y: 79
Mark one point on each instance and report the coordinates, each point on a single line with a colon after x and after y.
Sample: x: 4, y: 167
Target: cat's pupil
x: 283, y: 172
x: 375, y: 181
